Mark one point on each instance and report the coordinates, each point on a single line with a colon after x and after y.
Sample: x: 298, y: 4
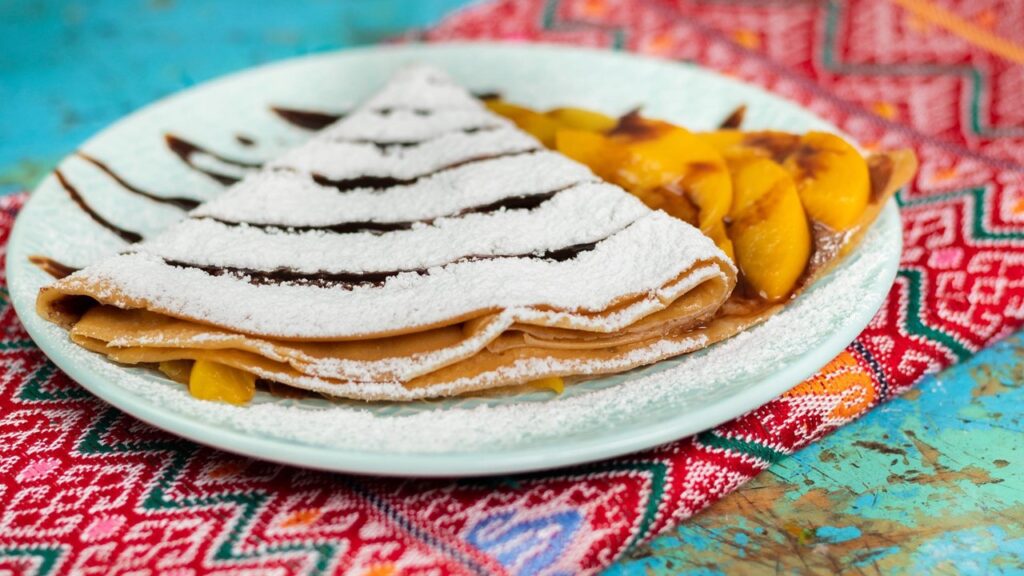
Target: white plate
x: 594, y: 420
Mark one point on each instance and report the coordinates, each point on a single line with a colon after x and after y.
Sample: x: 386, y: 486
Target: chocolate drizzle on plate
x: 735, y: 120
x: 52, y: 267
x: 307, y: 119
x: 183, y: 203
x: 383, y: 182
x: 126, y: 235
x: 348, y: 280
x: 880, y: 170
x: 186, y: 150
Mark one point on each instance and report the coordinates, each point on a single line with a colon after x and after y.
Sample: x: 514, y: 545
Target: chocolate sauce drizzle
x: 126, y: 235
x: 52, y: 267
x: 734, y: 120
x: 391, y: 110
x: 306, y: 119
x: 384, y: 182
x: 519, y: 202
x: 385, y: 144
x: 185, y: 150
x: 183, y: 203
x: 349, y: 280
x: 318, y: 119
x: 315, y: 120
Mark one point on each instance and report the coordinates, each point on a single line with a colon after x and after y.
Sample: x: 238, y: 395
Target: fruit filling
x: 768, y: 199
x: 216, y: 381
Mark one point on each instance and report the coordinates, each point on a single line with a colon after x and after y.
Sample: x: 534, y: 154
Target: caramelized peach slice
x: 724, y: 140
x: 766, y: 143
x: 666, y: 166
x: 215, y: 381
x: 177, y: 370
x: 591, y: 149
x: 678, y: 205
x: 832, y: 179
x: 707, y: 186
x: 768, y: 227
x: 765, y: 183
x: 553, y: 383
x: 538, y: 125
x: 543, y: 125
x: 581, y: 119
x: 830, y: 175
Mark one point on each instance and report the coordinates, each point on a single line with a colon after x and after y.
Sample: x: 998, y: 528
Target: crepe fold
x: 419, y: 247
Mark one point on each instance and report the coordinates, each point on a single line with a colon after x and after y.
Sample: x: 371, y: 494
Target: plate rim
x: 451, y: 464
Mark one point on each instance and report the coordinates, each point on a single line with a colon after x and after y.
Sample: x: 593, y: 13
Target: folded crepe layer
x: 420, y: 246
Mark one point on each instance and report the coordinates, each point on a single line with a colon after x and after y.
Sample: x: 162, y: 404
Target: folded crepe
x: 419, y: 247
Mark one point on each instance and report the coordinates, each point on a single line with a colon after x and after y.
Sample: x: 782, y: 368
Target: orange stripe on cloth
x: 845, y: 383
x: 972, y: 33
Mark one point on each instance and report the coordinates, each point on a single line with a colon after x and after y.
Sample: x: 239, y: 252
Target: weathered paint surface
x: 930, y: 483
x: 68, y: 68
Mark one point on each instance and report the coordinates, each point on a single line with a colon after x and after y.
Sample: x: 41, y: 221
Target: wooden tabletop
x: 932, y: 482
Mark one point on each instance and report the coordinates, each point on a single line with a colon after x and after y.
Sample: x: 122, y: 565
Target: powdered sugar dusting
x: 656, y: 392
x: 553, y: 225
x: 340, y: 160
x: 390, y: 372
x: 292, y: 199
x: 422, y: 87
x: 405, y: 125
x: 434, y: 272
x: 644, y: 256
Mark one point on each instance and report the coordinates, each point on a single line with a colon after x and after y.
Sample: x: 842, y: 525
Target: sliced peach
x: 540, y: 126
x: 672, y: 159
x: 830, y: 175
x: 553, y: 383
x: 581, y: 119
x: 666, y: 166
x: 673, y: 203
x: 592, y: 149
x: 718, y: 234
x: 768, y: 227
x: 767, y: 143
x: 723, y: 140
x: 220, y: 382
x: 177, y: 370
x: 659, y: 154
x: 832, y: 179
x: 707, y: 185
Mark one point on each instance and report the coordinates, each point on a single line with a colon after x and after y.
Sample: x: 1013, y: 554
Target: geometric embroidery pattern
x: 85, y: 489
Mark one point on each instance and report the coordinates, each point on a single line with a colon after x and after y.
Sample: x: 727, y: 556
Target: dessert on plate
x: 431, y: 244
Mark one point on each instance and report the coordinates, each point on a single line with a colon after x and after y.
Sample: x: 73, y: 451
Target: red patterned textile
x: 85, y: 489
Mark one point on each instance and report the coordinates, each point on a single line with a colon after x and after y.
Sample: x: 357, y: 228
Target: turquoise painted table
x: 932, y: 482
